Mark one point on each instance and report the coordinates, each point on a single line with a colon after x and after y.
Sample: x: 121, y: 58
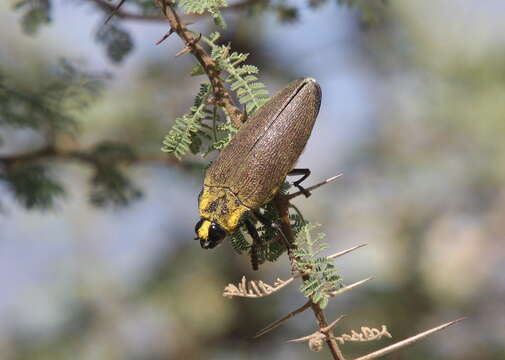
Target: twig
x: 191, y: 44
x: 85, y: 156
x: 115, y: 10
x: 170, y: 32
x: 406, y: 342
x: 281, y: 203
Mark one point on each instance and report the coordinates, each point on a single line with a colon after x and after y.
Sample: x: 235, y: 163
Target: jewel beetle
x: 253, y: 166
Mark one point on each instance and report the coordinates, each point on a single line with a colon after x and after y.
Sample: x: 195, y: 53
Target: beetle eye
x: 216, y: 234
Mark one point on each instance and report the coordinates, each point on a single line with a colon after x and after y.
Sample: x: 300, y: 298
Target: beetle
x: 253, y: 166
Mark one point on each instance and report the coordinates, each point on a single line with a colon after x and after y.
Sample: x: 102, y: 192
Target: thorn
x: 170, y: 32
x: 336, y: 255
x: 275, y: 324
x: 189, y: 46
x: 245, y: 116
x: 183, y: 51
x: 194, y: 41
x: 326, y: 329
x: 313, y: 187
x: 305, y: 338
x: 114, y: 12
x: 406, y: 342
x: 349, y: 287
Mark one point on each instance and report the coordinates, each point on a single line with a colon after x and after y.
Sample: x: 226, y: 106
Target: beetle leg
x: 262, y: 219
x: 256, y: 245
x: 306, y: 174
x: 267, y: 222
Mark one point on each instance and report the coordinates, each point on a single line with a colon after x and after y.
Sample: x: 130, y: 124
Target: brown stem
x: 281, y: 203
x: 209, y: 65
x: 50, y: 152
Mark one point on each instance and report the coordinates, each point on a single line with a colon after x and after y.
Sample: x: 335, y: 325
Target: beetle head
x: 210, y: 233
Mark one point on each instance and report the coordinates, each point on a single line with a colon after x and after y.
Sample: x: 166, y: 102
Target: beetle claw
x: 304, y: 191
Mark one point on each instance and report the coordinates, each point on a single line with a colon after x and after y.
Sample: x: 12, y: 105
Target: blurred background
x: 413, y: 115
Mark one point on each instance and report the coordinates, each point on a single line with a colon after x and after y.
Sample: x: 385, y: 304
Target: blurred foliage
x: 111, y: 186
x: 49, y: 103
x: 205, y: 6
x: 116, y: 40
x: 35, y: 14
x: 425, y: 188
x: 50, y: 106
x: 33, y: 186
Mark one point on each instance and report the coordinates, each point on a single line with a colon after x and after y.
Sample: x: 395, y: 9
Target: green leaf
x: 239, y: 242
x: 112, y: 187
x: 241, y: 77
x: 36, y: 13
x: 184, y: 132
x: 323, y: 275
x: 202, y: 6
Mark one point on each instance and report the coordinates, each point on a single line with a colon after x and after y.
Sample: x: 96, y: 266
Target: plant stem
x: 209, y: 65
x: 281, y: 203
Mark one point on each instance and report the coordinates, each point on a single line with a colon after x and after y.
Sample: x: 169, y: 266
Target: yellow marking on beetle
x: 222, y: 206
x: 203, y: 230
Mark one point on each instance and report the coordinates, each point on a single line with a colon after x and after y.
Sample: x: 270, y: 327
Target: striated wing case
x: 266, y: 147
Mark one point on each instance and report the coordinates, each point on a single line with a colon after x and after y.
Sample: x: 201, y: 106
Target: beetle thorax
x: 222, y: 206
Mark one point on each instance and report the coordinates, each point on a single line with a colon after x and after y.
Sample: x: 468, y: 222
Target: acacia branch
x: 209, y: 65
x: 281, y: 203
x: 83, y: 156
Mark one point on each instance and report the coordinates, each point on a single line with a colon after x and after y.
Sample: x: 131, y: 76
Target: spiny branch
x: 209, y: 65
x: 84, y: 156
x: 317, y: 338
x: 281, y: 203
x: 256, y: 289
x: 323, y: 331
